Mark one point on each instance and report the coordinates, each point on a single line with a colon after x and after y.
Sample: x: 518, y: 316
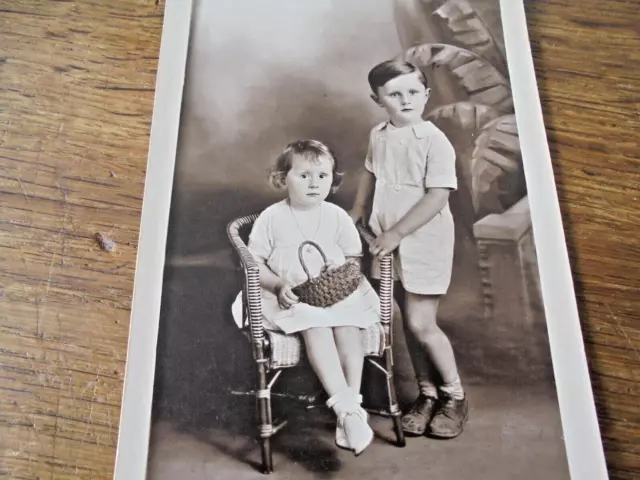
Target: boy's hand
x: 358, y: 213
x: 387, y: 242
x: 286, y: 298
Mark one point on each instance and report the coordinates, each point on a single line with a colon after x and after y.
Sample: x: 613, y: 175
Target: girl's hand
x: 387, y: 242
x: 286, y: 298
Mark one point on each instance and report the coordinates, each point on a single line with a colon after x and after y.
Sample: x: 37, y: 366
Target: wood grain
x: 77, y: 83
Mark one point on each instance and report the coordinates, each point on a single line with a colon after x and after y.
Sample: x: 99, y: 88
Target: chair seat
x: 287, y: 351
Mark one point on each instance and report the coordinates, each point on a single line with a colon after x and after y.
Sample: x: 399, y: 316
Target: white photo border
x: 575, y: 396
x: 135, y: 416
x: 577, y: 409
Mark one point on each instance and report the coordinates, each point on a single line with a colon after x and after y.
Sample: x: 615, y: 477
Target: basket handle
x: 317, y: 247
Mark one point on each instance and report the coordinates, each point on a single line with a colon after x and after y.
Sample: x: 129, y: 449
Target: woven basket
x: 332, y: 285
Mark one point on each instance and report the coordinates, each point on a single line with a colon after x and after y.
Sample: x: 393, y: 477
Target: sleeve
x: 368, y: 162
x: 441, y: 163
x: 261, y: 238
x: 348, y: 237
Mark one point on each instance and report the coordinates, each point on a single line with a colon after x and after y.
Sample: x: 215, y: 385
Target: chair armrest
x: 251, y: 290
x: 386, y: 278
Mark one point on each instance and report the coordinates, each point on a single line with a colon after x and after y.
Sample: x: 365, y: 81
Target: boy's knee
x: 422, y: 328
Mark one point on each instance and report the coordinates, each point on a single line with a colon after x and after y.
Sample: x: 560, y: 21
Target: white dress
x: 407, y: 162
x: 274, y: 240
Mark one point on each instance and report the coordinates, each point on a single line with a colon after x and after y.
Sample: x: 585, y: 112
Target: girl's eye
x: 304, y: 175
x: 323, y: 175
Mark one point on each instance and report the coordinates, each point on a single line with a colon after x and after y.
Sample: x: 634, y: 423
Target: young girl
x: 309, y: 172
x: 410, y: 170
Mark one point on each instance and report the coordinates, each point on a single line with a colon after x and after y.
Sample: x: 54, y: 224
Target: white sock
x: 427, y: 388
x: 453, y: 389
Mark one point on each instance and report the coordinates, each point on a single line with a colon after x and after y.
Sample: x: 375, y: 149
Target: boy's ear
x: 376, y: 99
x: 428, y: 92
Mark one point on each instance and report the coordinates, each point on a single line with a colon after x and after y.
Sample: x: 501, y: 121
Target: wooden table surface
x: 76, y: 92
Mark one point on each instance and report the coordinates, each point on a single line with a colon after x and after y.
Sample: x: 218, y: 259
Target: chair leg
x: 394, y: 409
x: 267, y: 460
x: 265, y: 419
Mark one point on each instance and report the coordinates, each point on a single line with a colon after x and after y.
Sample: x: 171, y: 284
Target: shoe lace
x: 421, y: 404
x: 448, y: 408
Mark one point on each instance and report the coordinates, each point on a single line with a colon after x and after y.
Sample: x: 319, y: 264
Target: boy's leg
x: 421, y: 311
x: 427, y: 375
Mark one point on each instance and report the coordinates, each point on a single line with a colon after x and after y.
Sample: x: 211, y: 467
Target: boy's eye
x: 323, y: 175
x: 304, y: 175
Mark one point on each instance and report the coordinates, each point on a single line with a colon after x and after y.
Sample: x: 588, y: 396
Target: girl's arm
x: 277, y: 286
x: 363, y: 196
x: 420, y: 214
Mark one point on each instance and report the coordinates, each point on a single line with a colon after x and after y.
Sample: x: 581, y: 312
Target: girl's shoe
x: 365, y: 437
x: 347, y: 407
x: 341, y: 435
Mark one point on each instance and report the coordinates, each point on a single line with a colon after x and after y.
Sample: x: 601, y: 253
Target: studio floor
x: 512, y: 433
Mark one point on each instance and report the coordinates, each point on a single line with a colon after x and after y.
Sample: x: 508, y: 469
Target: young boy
x: 410, y: 171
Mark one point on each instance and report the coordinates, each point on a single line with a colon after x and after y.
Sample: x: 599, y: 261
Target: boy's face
x: 404, y: 99
x: 309, y: 182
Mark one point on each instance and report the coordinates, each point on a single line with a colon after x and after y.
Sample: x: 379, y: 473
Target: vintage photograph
x: 351, y: 287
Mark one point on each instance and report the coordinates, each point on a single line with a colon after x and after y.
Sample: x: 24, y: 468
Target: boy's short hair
x: 390, y: 69
x: 312, y: 150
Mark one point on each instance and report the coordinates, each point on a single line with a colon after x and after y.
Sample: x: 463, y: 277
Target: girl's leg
x: 351, y: 353
x: 324, y: 359
x: 323, y: 356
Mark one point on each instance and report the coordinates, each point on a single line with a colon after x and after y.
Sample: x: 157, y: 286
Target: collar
x: 420, y: 130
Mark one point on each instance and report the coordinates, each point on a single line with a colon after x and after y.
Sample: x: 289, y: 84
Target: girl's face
x: 309, y: 182
x: 404, y: 99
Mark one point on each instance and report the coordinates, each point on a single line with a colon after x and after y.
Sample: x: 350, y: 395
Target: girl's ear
x: 376, y: 99
x: 282, y: 180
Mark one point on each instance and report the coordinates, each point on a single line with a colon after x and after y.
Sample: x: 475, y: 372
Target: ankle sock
x: 427, y: 388
x: 453, y: 389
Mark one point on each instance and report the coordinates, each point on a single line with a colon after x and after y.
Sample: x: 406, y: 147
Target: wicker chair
x: 275, y: 351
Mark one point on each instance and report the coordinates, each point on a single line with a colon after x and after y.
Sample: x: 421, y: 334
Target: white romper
x: 406, y: 162
x: 274, y: 240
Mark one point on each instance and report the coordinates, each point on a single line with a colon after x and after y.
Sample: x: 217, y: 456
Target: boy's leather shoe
x: 450, y: 418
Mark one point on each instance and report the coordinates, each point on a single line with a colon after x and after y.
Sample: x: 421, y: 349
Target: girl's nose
x: 313, y: 183
x: 405, y: 99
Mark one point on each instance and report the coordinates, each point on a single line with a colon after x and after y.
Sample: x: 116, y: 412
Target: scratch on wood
x: 24, y: 192
x: 624, y: 333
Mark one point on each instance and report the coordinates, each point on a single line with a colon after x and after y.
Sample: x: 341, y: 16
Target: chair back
x: 238, y: 231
